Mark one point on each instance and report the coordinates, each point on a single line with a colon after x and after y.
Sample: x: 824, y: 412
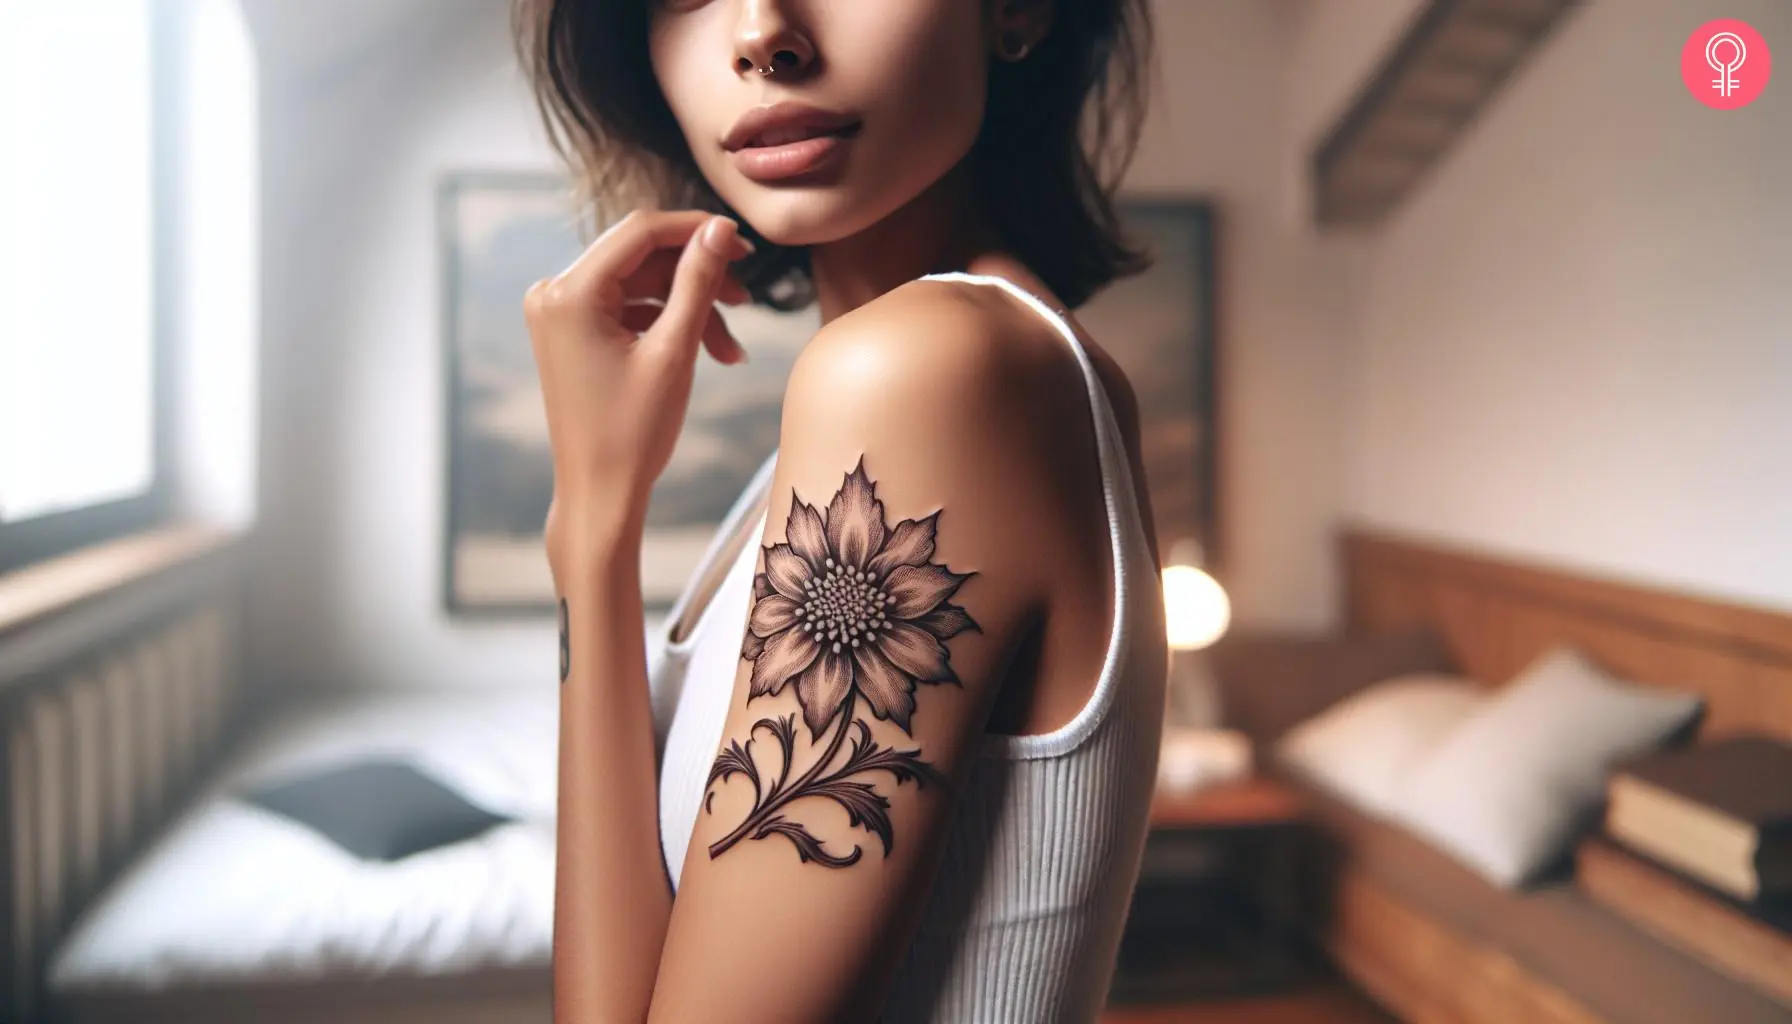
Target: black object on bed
x: 376, y: 809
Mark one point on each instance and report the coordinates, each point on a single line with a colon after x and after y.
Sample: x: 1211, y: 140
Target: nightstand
x: 1218, y: 910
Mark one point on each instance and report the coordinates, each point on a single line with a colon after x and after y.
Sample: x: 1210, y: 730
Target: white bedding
x: 234, y: 893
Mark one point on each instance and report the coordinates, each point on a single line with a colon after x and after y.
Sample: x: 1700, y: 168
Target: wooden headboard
x: 1496, y: 614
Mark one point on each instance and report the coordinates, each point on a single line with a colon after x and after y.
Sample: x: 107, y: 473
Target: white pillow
x: 1360, y: 747
x: 1504, y: 792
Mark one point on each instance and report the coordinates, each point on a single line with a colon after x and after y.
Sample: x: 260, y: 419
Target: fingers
x: 653, y: 279
x: 626, y: 244
x: 696, y: 283
x: 720, y: 341
x: 717, y: 338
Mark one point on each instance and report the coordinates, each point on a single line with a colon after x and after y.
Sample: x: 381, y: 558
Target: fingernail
x: 719, y: 234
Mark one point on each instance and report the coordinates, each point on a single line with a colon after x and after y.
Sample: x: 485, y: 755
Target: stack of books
x: 1697, y: 850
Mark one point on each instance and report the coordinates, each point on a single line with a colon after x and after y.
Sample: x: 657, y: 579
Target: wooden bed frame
x: 1495, y: 615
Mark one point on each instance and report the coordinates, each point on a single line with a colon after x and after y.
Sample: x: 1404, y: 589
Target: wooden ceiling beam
x: 1443, y: 72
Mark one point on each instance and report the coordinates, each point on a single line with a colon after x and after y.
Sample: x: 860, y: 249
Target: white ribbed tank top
x: 1024, y: 918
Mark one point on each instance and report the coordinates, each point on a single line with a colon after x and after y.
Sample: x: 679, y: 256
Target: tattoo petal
x: 785, y: 655
x: 947, y: 621
x: 806, y: 534
x: 916, y: 652
x: 887, y: 689
x: 855, y: 520
x: 910, y: 544
x: 786, y: 570
x: 752, y: 645
x: 772, y: 614
x: 822, y: 688
x: 918, y: 589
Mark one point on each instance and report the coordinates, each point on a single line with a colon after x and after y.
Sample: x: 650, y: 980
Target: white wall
x: 1576, y: 340
x: 1220, y: 130
x: 348, y: 591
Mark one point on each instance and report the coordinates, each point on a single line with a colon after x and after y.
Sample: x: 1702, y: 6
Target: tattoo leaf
x: 784, y: 731
x: 808, y: 848
x: 866, y: 808
x: 732, y: 760
x: 904, y: 765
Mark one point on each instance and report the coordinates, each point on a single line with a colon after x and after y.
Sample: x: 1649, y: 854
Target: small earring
x: 1014, y: 45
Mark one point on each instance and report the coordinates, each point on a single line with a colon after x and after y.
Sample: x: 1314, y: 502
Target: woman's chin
x: 807, y: 218
x: 795, y: 233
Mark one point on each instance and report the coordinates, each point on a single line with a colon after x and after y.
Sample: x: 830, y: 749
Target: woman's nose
x: 767, y: 38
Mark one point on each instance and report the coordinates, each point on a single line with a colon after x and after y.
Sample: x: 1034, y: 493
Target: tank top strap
x: 1116, y: 465
x: 726, y: 534
x: 1125, y: 533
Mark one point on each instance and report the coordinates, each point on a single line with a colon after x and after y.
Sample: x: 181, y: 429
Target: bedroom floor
x: 1331, y: 1004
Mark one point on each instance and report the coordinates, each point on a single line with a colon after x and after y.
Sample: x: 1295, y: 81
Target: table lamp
x: 1196, y: 609
x: 1197, y: 613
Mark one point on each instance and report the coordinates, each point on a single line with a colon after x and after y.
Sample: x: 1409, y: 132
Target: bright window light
x: 77, y: 331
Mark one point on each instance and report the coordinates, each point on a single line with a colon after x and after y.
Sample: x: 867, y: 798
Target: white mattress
x: 232, y: 893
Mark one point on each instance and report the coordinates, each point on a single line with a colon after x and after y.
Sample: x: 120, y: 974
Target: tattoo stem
x: 780, y: 797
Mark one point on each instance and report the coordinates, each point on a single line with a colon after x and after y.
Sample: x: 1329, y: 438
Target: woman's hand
x: 615, y: 339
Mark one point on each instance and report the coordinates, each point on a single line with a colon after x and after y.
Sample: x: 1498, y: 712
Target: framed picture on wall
x: 500, y: 233
x: 1160, y: 327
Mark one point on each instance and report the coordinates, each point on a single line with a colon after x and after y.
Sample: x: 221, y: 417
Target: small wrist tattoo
x: 565, y: 644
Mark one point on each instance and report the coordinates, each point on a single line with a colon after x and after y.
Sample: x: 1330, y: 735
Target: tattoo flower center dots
x: 847, y: 608
x: 852, y: 606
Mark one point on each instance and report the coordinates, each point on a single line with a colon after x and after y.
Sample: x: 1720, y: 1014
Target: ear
x: 1017, y: 26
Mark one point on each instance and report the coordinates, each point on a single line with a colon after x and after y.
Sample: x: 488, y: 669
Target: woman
x: 905, y: 743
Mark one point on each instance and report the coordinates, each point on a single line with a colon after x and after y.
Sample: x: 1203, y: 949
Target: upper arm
x: 894, y: 583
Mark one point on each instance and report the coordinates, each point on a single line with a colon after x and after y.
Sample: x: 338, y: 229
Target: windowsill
x: 46, y: 588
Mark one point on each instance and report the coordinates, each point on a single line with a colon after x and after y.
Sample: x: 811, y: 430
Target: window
x: 79, y: 337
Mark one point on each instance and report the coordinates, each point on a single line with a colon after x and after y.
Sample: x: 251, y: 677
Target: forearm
x: 611, y: 896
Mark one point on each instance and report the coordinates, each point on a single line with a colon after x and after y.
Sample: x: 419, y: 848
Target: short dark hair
x: 1046, y: 177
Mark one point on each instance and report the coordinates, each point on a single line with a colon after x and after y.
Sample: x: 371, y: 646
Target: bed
x: 1432, y: 940
x: 144, y: 888
x: 234, y: 898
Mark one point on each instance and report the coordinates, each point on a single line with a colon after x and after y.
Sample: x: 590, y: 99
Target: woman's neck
x: 939, y: 230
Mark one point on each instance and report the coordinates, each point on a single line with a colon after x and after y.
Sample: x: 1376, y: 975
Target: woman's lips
x: 791, y: 159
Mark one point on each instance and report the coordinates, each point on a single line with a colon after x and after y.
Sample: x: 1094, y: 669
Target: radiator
x: 109, y: 715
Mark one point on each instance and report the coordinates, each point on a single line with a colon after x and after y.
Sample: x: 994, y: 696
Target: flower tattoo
x: 846, y: 610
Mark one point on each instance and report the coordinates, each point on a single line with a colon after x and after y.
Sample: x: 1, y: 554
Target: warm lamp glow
x: 1196, y: 608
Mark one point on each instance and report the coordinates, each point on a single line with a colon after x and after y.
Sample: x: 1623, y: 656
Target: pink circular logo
x: 1726, y: 64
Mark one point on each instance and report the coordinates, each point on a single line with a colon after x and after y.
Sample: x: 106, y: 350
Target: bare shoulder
x: 925, y: 334
x: 968, y: 354
x: 988, y: 364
